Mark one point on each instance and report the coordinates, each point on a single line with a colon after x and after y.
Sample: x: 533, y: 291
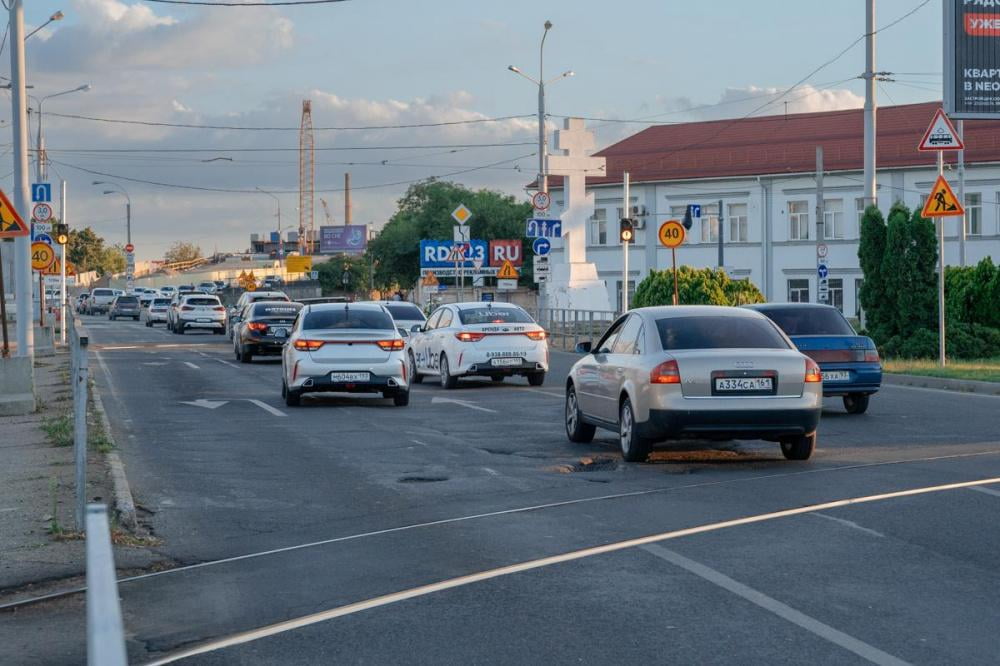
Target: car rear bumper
x: 264, y: 346
x: 194, y: 323
x: 309, y: 376
x: 864, y: 378
x: 726, y: 424
x: 488, y: 370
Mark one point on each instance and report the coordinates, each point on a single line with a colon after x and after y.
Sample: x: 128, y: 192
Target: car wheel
x: 798, y: 448
x: 246, y: 356
x: 135, y: 318
x: 536, y: 378
x: 292, y: 398
x: 447, y: 380
x: 217, y: 331
x: 149, y: 324
x: 180, y: 328
x: 497, y: 378
x: 401, y: 399
x: 856, y: 403
x: 634, y: 447
x: 415, y: 377
x: 576, y: 429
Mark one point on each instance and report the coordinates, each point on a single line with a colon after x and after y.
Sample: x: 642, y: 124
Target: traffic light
x: 626, y: 230
x: 687, y: 218
x: 61, y: 233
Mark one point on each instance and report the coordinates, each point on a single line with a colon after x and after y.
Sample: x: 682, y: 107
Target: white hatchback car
x: 344, y: 348
x: 495, y: 340
x: 198, y: 311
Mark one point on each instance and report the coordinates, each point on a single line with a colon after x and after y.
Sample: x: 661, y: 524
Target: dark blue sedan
x: 849, y: 362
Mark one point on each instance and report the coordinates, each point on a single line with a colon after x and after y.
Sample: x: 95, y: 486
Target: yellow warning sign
x: 298, y: 264
x: 942, y: 202
x: 11, y: 224
x: 430, y: 280
x: 507, y: 271
x: 42, y: 256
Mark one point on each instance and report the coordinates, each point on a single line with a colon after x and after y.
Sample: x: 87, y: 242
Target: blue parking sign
x: 41, y: 192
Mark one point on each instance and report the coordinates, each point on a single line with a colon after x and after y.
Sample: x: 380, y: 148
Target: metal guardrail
x: 566, y: 328
x: 79, y: 341
x: 105, y: 630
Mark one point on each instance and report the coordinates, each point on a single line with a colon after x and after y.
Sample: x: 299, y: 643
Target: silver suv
x: 199, y: 311
x: 100, y: 300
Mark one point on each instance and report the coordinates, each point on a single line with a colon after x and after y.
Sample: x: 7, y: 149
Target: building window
x: 631, y: 293
x: 710, y: 223
x: 836, y: 299
x: 833, y: 218
x: 859, y: 207
x: 737, y: 223
x: 599, y: 227
x: 974, y: 214
x: 798, y: 219
x: 798, y: 291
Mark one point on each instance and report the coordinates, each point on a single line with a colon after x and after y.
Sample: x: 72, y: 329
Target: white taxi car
x: 495, y: 340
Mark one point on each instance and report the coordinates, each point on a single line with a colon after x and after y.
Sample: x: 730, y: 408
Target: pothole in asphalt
x: 588, y: 464
x: 421, y: 479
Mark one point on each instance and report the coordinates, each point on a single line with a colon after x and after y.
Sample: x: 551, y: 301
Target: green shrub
x: 695, y: 286
x: 964, y: 341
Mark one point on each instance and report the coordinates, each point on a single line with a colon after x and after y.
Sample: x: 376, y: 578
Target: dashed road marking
x: 987, y: 491
x: 266, y: 407
x: 191, y: 365
x: 224, y: 362
x: 849, y: 523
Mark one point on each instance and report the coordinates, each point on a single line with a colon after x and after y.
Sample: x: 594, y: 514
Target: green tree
x: 695, y: 286
x: 871, y: 252
x: 182, y: 251
x: 87, y: 251
x: 331, y: 275
x: 424, y: 213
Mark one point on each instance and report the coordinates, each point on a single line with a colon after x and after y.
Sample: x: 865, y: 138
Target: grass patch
x: 985, y: 370
x: 59, y: 430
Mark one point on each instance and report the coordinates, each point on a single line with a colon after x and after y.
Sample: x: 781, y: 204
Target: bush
x: 695, y: 286
x: 966, y: 341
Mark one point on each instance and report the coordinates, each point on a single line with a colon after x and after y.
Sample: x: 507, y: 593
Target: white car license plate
x: 743, y: 384
x: 203, y: 321
x: 506, y: 361
x: 280, y: 332
x: 836, y: 376
x: 349, y: 376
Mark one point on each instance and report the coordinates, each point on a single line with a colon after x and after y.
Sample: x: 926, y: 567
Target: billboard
x: 972, y: 59
x: 506, y: 250
x: 435, y: 253
x: 351, y: 238
x: 297, y: 264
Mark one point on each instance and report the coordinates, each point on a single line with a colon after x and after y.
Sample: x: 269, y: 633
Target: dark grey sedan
x: 125, y: 306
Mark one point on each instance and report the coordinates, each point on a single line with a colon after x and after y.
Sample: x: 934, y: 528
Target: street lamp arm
x: 518, y: 71
x: 564, y: 75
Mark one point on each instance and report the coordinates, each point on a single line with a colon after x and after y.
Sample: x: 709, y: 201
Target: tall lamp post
x: 281, y: 243
x: 40, y: 157
x: 128, y: 206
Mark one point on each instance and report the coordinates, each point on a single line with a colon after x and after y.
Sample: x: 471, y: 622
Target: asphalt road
x: 367, y: 533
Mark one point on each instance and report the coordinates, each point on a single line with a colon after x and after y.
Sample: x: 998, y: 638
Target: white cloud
x: 760, y: 101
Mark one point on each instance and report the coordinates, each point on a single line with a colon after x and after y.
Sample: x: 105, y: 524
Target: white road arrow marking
x: 209, y: 404
x: 266, y: 407
x: 464, y: 403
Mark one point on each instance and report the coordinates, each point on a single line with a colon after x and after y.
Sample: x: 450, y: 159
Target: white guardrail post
x: 80, y: 393
x: 105, y: 631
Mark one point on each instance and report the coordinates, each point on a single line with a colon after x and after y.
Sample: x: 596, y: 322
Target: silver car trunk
x: 699, y: 367
x: 349, y: 346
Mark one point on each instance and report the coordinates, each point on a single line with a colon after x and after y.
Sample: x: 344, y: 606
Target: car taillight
x: 219, y: 309
x: 871, y: 356
x: 187, y: 308
x: 813, y: 373
x: 536, y: 335
x: 391, y: 345
x: 308, y: 345
x: 466, y: 336
x: 257, y: 326
x: 665, y: 373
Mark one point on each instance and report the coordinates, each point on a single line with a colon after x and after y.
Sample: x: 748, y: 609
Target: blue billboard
x: 436, y: 253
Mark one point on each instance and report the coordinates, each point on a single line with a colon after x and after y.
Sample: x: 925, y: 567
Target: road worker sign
x: 942, y: 202
x: 11, y: 224
x: 507, y: 271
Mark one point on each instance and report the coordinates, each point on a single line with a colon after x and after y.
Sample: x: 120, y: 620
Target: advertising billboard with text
x: 351, y: 239
x: 972, y: 58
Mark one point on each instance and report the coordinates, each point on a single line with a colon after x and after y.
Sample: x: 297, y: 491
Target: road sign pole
x: 673, y: 258
x: 41, y: 299
x: 19, y: 120
x: 3, y: 309
x: 961, y: 194
x: 63, y: 312
x: 940, y: 222
x: 625, y: 244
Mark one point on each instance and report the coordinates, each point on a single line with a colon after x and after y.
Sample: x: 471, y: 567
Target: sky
x: 377, y: 63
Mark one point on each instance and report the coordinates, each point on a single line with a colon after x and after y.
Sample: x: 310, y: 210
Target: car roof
x: 199, y: 295
x: 785, y: 306
x: 364, y: 305
x: 469, y: 305
x: 662, y: 311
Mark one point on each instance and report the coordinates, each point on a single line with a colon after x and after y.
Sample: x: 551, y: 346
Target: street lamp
x: 128, y: 206
x: 543, y: 179
x: 55, y: 17
x: 281, y: 243
x: 41, y: 137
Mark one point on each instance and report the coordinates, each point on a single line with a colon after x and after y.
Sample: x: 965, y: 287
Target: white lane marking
x: 785, y: 612
x: 849, y: 523
x: 948, y: 391
x: 549, y: 393
x: 123, y: 347
x: 191, y: 365
x: 231, y: 365
x: 6, y: 510
x: 464, y: 403
x: 417, y: 441
x: 988, y: 491
x: 202, y: 402
x: 461, y: 581
x: 491, y: 472
x: 266, y: 407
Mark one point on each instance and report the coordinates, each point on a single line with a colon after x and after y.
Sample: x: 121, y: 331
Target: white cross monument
x: 574, y: 283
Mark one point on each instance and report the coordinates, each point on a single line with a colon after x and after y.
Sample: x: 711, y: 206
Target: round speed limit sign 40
x: 671, y: 233
x: 42, y: 256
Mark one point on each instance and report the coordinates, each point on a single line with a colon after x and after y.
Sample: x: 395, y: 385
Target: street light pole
x: 22, y: 244
x: 281, y: 243
x: 40, y: 157
x: 128, y: 206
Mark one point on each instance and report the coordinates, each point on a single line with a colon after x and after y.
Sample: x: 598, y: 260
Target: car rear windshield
x: 161, y: 301
x: 103, y: 292
x: 127, y: 300
x: 494, y: 316
x: 284, y: 310
x: 347, y: 318
x: 809, y: 321
x: 718, y: 333
x: 202, y: 301
x: 264, y: 297
x: 405, y: 311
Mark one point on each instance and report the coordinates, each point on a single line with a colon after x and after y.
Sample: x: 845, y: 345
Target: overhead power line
x: 279, y: 3
x: 218, y: 151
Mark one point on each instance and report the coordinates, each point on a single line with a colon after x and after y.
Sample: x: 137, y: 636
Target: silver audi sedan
x: 694, y: 371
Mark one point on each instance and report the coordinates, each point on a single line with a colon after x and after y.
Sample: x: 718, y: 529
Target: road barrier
x: 105, y: 631
x: 79, y: 340
x: 566, y: 328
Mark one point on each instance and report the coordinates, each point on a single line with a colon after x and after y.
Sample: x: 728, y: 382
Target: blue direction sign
x: 541, y: 247
x: 695, y: 210
x: 41, y: 192
x: 43, y: 238
x: 823, y: 271
x: 539, y: 228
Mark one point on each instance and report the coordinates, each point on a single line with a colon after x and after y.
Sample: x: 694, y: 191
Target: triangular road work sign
x: 431, y: 280
x: 941, y: 135
x: 11, y: 224
x: 942, y: 202
x: 507, y: 271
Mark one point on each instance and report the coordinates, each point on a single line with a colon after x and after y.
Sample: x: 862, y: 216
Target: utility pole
x: 961, y: 195
x: 626, y: 209
x: 347, y: 199
x: 822, y: 295
x: 870, y: 130
x: 940, y: 226
x: 722, y: 251
x: 19, y: 127
x: 63, y: 310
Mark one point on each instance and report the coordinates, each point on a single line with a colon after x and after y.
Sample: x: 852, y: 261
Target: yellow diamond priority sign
x: 461, y: 214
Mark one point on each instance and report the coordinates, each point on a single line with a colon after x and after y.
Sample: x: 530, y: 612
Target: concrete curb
x: 942, y: 383
x: 124, y: 505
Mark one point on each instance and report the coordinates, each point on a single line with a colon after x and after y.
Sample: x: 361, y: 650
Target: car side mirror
x: 416, y: 328
x: 584, y: 347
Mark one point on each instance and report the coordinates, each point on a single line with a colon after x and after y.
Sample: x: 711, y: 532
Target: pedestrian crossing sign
x: 942, y: 201
x: 11, y: 224
x: 507, y: 271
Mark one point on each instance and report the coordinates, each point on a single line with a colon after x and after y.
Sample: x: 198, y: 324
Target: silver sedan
x: 698, y: 371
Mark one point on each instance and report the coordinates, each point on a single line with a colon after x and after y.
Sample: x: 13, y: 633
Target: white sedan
x: 344, y: 348
x: 495, y: 340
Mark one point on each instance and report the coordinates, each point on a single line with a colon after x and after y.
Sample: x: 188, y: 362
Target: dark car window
x: 347, y: 318
x: 809, y: 321
x: 446, y: 318
x: 432, y: 323
x: 718, y: 333
x: 405, y: 311
x: 161, y: 301
x: 280, y: 310
x: 610, y: 338
x: 103, y: 292
x: 127, y: 300
x: 202, y: 301
x: 494, y: 316
x: 625, y: 344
